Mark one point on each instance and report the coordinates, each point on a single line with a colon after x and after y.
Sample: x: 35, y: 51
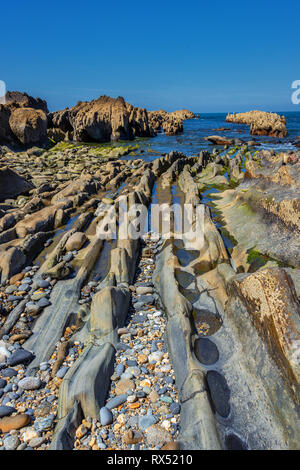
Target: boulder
x: 76, y: 241
x: 12, y: 184
x: 29, y: 125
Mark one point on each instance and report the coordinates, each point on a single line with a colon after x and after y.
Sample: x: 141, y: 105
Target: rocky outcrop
x: 270, y: 298
x: 261, y: 123
x: 23, y: 100
x: 209, y: 357
x: 262, y: 213
x: 170, y: 123
x: 102, y: 120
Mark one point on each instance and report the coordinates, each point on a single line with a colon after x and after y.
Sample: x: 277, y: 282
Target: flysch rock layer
x: 151, y: 343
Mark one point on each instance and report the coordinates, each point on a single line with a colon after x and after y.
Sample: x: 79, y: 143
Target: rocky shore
x: 26, y: 121
x: 261, y: 123
x: 148, y: 343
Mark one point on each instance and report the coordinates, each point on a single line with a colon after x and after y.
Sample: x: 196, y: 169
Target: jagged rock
x: 23, y: 100
x: 171, y: 123
x: 103, y: 120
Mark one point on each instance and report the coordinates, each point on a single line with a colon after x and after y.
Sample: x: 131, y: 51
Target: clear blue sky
x: 207, y: 55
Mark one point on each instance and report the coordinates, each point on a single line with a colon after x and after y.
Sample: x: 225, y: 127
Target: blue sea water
x: 191, y: 141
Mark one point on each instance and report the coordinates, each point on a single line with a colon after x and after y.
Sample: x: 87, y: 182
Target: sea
x: 191, y: 141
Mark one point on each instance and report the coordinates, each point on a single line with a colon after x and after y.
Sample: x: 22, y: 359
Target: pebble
x: 106, y: 416
x: 146, y: 421
x: 36, y: 442
x: 120, y: 369
x: 2, y: 383
x: 30, y: 383
x: 44, y: 302
x: 14, y: 422
x: 21, y: 356
x: 6, y: 411
x: 116, y: 401
x: 175, y: 408
x: 11, y: 442
x: 62, y: 372
x: 42, y: 424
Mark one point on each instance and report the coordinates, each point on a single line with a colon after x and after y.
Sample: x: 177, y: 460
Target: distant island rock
x: 261, y: 123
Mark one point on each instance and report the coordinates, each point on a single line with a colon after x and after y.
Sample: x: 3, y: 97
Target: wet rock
x: 76, y: 241
x: 219, y: 392
x: 21, y: 356
x: 206, y: 351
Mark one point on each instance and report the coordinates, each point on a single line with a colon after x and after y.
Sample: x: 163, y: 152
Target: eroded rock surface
x: 261, y: 123
x: 148, y: 343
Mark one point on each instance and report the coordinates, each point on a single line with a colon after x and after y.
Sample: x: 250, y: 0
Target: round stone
x: 30, y: 383
x: 206, y: 351
x: 219, y: 392
x: 106, y: 416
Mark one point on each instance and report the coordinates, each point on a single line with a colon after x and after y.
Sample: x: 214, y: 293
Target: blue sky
x: 207, y: 56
